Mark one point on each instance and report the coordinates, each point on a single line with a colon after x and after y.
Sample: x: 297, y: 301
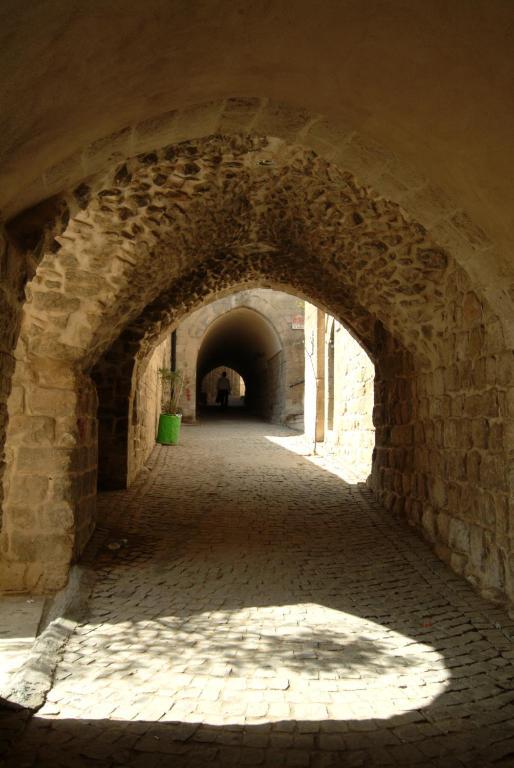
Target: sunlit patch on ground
x: 251, y: 608
x: 321, y: 455
x: 303, y: 662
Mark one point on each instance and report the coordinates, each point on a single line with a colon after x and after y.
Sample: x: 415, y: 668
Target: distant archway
x: 246, y: 341
x: 207, y: 392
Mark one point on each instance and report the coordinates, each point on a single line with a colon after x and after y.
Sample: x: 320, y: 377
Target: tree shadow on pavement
x: 218, y: 589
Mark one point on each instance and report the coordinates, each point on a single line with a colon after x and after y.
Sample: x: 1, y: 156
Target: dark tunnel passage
x: 245, y: 341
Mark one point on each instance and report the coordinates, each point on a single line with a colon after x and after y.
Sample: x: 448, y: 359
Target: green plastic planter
x: 169, y: 428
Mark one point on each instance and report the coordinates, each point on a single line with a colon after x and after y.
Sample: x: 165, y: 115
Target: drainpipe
x: 316, y: 356
x: 173, y: 361
x: 319, y: 436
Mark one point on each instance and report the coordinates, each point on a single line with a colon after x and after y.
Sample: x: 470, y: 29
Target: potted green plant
x: 170, y: 419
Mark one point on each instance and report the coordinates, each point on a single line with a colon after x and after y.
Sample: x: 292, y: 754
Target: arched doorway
x: 208, y: 391
x: 245, y: 340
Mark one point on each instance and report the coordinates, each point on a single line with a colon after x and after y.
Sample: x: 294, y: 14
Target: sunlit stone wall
x: 353, y: 434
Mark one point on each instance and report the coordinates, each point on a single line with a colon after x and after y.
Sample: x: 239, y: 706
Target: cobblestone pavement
x: 252, y: 608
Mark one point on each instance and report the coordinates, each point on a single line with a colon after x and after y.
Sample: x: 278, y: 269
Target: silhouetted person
x: 223, y: 390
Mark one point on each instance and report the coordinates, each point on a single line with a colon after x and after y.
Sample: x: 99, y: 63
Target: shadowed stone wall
x: 12, y: 278
x: 133, y: 250
x: 146, y: 408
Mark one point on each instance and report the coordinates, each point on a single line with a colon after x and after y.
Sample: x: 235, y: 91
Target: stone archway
x: 273, y: 308
x: 245, y: 340
x: 122, y: 448
x: 188, y: 222
x: 208, y: 395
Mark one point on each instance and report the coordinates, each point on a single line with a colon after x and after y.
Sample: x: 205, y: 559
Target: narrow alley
x: 250, y: 607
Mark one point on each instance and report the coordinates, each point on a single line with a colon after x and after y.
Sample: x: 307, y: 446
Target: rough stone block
x: 510, y: 580
x: 504, y: 524
x: 46, y: 461
x: 442, y: 526
x: 428, y: 521
x: 458, y: 535
x: 402, y: 435
x: 455, y: 465
x: 494, y: 338
x: 54, y: 301
x: 476, y: 348
x: 51, y: 402
x: 496, y: 436
x: 485, y: 509
x: 492, y: 472
x: 32, y: 548
x: 464, y: 439
x: 42, y: 578
x: 458, y: 562
x: 450, y: 437
x: 476, y: 546
x: 17, y: 400
x: 443, y: 552
x: 31, y: 430
x: 13, y: 577
x: 438, y: 493
x: 480, y: 433
x: 493, y: 564
x: 57, y: 517
x: 471, y: 309
x: 29, y: 493
x: 504, y: 369
x: 21, y: 517
x: 473, y: 461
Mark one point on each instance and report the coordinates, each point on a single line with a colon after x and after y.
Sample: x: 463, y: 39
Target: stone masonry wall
x: 274, y: 392
x: 464, y: 468
x: 353, y: 434
x: 281, y: 401
x: 113, y: 386
x: 147, y: 241
x: 442, y: 449
x: 50, y: 482
x: 11, y: 282
x: 146, y: 408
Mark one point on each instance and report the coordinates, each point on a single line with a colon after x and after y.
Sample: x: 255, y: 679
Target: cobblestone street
x: 251, y: 607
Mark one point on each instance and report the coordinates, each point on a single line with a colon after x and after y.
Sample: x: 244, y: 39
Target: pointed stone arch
x: 170, y: 228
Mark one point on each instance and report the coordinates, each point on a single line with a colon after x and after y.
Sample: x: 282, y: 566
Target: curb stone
x: 31, y: 683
